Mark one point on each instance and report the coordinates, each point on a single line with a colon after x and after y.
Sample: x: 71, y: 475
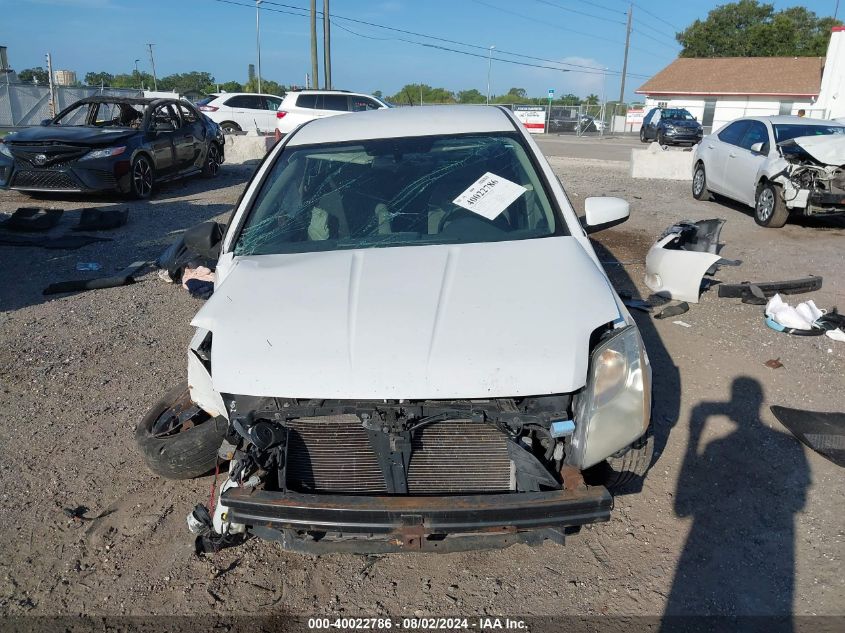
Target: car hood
x: 828, y: 149
x: 82, y: 135
x: 418, y: 322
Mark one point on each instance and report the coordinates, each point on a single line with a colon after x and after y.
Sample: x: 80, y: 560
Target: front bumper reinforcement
x: 410, y: 521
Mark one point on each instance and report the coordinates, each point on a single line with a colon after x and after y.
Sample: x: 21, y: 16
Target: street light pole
x: 258, y: 40
x: 137, y: 74
x: 489, y: 67
x: 153, y: 62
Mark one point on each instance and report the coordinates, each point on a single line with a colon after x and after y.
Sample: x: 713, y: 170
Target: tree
x: 592, y: 99
x: 230, y: 86
x: 750, y: 29
x: 183, y: 82
x: 34, y: 75
x: 268, y: 86
x: 99, y: 79
x: 470, y: 96
x: 412, y: 93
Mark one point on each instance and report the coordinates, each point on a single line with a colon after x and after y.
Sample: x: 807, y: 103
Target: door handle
x: 710, y: 146
x: 732, y: 155
x: 187, y: 137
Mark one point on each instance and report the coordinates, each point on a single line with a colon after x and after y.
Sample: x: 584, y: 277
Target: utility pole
x: 50, y: 83
x: 315, y: 77
x: 327, y: 46
x: 258, y: 41
x: 489, y: 68
x: 138, y: 75
x: 153, y: 62
x: 627, y: 44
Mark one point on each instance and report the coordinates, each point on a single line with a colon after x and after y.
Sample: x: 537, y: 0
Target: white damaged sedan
x: 411, y: 344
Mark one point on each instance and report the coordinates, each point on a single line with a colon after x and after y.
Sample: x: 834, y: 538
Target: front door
x: 744, y: 163
x: 162, y: 129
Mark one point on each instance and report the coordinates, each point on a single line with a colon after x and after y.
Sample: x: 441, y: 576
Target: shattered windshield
x: 788, y: 132
x: 105, y: 114
x: 399, y: 192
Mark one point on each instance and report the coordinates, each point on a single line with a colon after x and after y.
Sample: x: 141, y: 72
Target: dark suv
x: 670, y: 126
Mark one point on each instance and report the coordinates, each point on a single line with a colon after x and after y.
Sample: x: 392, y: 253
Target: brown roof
x: 778, y: 76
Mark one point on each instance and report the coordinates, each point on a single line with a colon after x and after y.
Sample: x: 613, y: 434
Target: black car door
x: 189, y: 138
x: 161, y: 133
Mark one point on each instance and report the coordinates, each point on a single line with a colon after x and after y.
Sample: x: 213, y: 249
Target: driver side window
x: 164, y: 119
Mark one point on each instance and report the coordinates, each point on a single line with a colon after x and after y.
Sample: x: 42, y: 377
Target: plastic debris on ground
x: 805, y: 319
x: 674, y: 310
x: 32, y: 219
x: 822, y: 432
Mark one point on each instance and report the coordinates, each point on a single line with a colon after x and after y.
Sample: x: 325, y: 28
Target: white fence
x: 23, y: 105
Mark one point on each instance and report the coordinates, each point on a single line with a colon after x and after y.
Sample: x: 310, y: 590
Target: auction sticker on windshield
x: 489, y: 195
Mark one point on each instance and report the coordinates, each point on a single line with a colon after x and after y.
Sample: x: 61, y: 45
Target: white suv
x: 302, y: 106
x: 237, y: 111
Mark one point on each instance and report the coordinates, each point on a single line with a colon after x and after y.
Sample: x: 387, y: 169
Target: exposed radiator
x: 333, y: 454
x: 459, y: 456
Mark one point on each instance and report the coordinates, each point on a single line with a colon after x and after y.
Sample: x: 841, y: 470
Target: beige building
x: 64, y: 77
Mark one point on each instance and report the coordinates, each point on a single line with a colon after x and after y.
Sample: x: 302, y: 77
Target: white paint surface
x: 470, y: 321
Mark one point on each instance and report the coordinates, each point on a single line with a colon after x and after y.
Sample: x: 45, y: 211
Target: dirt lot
x: 735, y: 518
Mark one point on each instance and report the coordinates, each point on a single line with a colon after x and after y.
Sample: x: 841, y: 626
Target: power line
x: 335, y: 17
x: 584, y: 13
x: 654, y: 29
x: 651, y: 37
x: 599, y: 71
x: 657, y: 17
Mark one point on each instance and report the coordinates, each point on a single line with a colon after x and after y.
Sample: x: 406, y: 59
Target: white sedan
x: 411, y: 339
x: 778, y: 165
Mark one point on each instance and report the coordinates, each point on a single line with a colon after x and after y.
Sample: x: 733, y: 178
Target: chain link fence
x: 23, y: 105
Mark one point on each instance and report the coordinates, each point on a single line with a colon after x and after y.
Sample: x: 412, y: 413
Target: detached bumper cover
x: 407, y: 518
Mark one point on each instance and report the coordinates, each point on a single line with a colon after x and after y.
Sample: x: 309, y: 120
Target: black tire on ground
x: 643, y: 139
x: 661, y: 140
x: 229, y: 127
x: 621, y: 470
x: 142, y: 177
x: 186, y: 453
x: 212, y: 162
x: 699, y: 183
x: 769, y: 206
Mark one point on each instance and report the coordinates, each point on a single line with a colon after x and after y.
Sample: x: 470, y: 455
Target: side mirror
x: 204, y: 239
x: 46, y: 121
x: 604, y: 212
x: 758, y: 148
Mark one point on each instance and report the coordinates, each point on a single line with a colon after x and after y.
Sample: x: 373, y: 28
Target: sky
x: 219, y: 36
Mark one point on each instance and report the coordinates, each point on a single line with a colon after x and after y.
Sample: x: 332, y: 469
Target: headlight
x: 614, y: 408
x: 4, y: 149
x: 106, y: 152
x: 669, y: 129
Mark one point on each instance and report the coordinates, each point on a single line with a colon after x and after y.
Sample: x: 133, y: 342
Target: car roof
x: 220, y: 95
x: 404, y: 121
x: 789, y: 118
x: 127, y: 100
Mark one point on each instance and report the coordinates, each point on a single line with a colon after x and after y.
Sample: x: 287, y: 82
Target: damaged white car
x: 779, y: 165
x: 411, y: 345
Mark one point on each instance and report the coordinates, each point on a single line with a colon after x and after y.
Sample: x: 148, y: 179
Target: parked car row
x: 236, y: 112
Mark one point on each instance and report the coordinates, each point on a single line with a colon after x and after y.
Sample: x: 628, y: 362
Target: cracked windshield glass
x: 398, y: 192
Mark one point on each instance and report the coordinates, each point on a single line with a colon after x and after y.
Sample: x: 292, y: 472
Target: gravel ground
x: 735, y: 518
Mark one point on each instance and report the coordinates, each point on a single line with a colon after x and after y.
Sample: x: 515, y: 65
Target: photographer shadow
x: 742, y: 491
